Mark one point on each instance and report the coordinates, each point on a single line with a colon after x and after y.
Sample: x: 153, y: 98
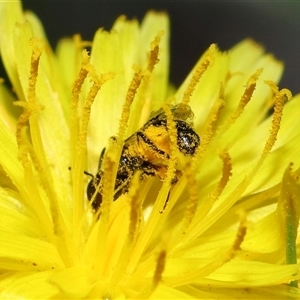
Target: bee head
x: 187, y: 139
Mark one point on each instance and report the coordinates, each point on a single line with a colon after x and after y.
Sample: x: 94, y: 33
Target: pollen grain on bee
x: 147, y: 150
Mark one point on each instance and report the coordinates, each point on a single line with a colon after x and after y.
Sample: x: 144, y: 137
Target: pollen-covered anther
x: 130, y: 95
x: 193, y: 199
x: 210, y: 127
x: 197, y: 74
x: 109, y: 165
x: 226, y: 174
x: 173, y: 144
x: 241, y: 233
x: 37, y: 49
x: 98, y: 82
x: 135, y: 207
x: 281, y: 96
x: 30, y: 106
x: 160, y: 266
x: 153, y: 56
x: 80, y: 124
x: 77, y: 85
x: 221, y: 258
x: 236, y: 246
x: 108, y: 180
x: 107, y: 191
x: 246, y: 97
x: 137, y: 79
x: 157, y: 276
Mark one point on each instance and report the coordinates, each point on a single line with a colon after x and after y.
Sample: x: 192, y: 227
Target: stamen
x: 160, y: 266
x: 30, y: 106
x: 213, y: 197
x: 108, y: 181
x: 215, y: 112
x: 281, y: 97
x: 221, y: 259
x: 171, y: 172
x: 79, y: 131
x: 27, y: 154
x: 210, y: 129
x: 136, y: 82
x: 77, y: 170
x: 246, y: 97
x: 157, y: 277
x: 136, y: 207
x: 250, y: 87
x: 153, y: 57
x: 76, y: 90
x: 207, y: 204
x: 197, y: 74
x: 132, y: 90
x: 226, y: 173
x: 137, y: 79
x: 144, y: 100
x: 77, y: 85
x: 193, y: 200
x: 289, y: 213
x: 109, y: 164
x: 134, y: 225
x: 97, y: 84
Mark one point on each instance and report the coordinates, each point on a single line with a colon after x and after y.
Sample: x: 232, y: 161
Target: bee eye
x: 187, y: 139
x: 91, y: 190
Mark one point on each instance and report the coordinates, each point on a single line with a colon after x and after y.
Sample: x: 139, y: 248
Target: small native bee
x: 148, y: 150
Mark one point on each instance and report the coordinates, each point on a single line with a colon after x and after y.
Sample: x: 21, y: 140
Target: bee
x: 148, y: 150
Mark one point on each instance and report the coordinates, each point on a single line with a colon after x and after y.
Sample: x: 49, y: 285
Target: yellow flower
x: 226, y: 229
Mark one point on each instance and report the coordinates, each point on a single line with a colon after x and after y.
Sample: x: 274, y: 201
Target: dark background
x: 194, y: 26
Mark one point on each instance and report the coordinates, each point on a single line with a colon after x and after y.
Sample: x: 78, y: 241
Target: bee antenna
x: 85, y: 172
x: 89, y: 174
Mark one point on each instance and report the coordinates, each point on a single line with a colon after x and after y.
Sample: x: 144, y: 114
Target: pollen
x: 161, y: 260
x: 212, y: 198
x: 197, y: 74
x: 138, y: 77
x: 210, y: 129
x: 35, y: 156
x: 222, y: 257
x: 246, y: 97
x: 281, y: 97
x: 135, y: 208
x: 193, y: 190
x: 173, y: 144
x: 80, y: 120
x: 193, y: 200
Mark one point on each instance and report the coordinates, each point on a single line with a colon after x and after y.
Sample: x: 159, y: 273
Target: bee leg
x: 101, y: 158
x: 92, y: 190
x: 166, y: 202
x: 176, y: 177
x: 173, y: 182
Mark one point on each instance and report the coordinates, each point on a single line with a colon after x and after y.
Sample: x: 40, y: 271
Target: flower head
x: 204, y: 178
